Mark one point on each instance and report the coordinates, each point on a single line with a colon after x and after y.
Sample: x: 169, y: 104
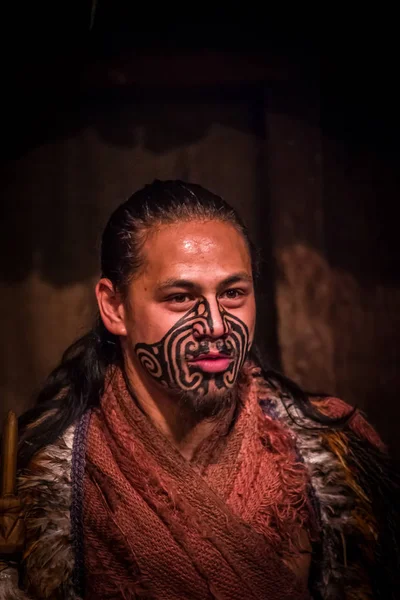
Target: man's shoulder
x: 45, y: 489
x: 280, y: 404
x: 50, y: 462
x: 358, y: 423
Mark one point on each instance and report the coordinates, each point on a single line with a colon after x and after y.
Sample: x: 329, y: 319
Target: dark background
x: 297, y: 129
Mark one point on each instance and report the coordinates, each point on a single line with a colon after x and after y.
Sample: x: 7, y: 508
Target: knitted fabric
x: 230, y: 524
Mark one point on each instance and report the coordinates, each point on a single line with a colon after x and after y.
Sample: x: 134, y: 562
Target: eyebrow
x: 190, y: 285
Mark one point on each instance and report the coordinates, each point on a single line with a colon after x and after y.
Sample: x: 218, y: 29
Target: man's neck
x: 180, y: 425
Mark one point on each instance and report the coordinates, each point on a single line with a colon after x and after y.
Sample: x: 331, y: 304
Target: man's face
x: 191, y: 310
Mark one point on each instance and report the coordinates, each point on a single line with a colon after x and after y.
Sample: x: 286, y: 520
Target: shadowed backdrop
x: 306, y: 154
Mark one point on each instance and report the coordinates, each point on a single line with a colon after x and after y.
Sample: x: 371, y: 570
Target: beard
x: 210, y: 404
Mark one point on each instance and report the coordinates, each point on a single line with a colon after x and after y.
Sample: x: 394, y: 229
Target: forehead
x: 195, y: 249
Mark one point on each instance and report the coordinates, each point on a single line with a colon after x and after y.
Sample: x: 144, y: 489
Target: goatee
x: 210, y: 405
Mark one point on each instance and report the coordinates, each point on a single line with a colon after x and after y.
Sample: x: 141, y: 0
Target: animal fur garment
x: 358, y: 555
x: 45, y: 490
x: 9, y: 589
x: 352, y: 484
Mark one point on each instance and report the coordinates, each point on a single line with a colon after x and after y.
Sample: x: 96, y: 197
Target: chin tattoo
x: 168, y: 361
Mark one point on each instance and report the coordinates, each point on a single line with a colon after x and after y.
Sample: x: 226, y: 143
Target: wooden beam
x: 189, y: 69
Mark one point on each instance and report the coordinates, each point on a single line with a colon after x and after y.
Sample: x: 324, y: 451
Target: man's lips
x: 212, y: 362
x: 210, y: 355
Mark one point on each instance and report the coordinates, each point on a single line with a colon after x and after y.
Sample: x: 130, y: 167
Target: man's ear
x: 111, y: 307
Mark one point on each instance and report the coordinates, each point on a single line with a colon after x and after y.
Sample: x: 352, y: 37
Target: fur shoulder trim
x: 340, y: 501
x: 9, y: 589
x: 45, y: 490
x: 336, y: 408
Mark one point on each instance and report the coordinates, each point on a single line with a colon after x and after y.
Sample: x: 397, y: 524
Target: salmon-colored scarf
x: 221, y: 526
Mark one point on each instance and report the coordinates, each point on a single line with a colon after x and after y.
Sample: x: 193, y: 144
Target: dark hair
x: 78, y: 382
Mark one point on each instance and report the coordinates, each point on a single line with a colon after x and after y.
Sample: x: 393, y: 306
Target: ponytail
x: 73, y: 387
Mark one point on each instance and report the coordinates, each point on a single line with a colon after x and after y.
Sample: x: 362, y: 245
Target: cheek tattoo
x: 168, y: 360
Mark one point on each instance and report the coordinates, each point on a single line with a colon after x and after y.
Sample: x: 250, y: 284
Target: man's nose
x: 215, y: 324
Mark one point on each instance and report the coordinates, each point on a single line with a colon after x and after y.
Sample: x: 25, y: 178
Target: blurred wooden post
x: 11, y: 516
x: 304, y: 283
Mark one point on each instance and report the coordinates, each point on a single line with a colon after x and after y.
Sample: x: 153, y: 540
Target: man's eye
x: 180, y: 298
x: 233, y: 294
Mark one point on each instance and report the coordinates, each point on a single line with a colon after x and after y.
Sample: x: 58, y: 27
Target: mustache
x: 206, y: 346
